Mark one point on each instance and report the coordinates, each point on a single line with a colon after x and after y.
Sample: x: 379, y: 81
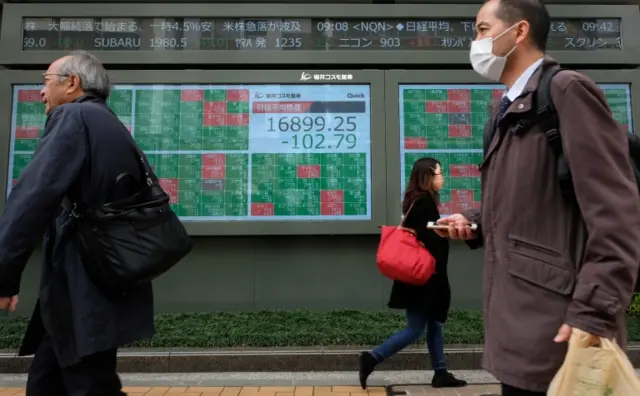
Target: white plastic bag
x: 587, y: 370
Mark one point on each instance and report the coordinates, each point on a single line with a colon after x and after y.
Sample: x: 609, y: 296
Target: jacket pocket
x: 539, y: 265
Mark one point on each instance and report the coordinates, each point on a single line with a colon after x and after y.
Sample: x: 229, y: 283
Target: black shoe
x: 367, y: 364
x: 444, y: 379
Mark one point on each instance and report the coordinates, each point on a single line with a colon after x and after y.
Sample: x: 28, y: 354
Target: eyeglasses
x: 55, y: 74
x: 45, y: 75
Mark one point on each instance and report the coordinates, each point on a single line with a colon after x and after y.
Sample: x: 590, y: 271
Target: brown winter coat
x: 545, y: 263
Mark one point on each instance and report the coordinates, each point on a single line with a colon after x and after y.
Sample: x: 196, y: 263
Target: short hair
x: 532, y: 11
x: 93, y: 77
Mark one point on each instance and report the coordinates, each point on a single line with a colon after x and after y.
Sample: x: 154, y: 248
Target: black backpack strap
x: 547, y: 118
x: 634, y: 147
x: 487, y: 137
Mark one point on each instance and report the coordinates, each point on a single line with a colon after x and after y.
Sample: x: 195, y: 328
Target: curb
x: 279, y: 379
x: 273, y: 360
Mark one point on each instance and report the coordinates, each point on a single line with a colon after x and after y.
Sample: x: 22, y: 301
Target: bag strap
x: 68, y: 204
x: 404, y: 218
x: 149, y: 175
x: 144, y: 166
x: 546, y: 116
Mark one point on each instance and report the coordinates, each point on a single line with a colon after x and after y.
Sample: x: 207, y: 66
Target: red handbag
x: 402, y: 257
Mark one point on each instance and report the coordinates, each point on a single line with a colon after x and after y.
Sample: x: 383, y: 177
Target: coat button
x: 520, y: 106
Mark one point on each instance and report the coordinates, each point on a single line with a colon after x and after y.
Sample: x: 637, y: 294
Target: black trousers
x: 508, y: 390
x: 93, y: 376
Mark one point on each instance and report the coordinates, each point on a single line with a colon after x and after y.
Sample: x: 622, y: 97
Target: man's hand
x: 564, y: 334
x: 459, y: 228
x: 8, y: 303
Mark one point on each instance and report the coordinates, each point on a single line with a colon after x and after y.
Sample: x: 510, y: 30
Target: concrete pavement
x: 280, y: 391
x: 333, y: 383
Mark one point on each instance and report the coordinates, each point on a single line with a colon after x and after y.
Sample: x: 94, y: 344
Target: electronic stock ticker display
x: 447, y: 122
x: 292, y: 34
x: 238, y: 152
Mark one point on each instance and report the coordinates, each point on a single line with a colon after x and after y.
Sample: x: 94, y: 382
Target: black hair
x: 532, y: 11
x: 421, y: 182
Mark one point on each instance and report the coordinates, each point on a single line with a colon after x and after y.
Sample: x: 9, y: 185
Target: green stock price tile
x: 192, y: 118
x: 204, y: 185
x: 328, y: 184
x: 444, y: 117
x: 447, y: 122
x: 29, y: 120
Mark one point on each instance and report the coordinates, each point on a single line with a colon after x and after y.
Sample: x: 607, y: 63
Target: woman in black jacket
x: 426, y: 306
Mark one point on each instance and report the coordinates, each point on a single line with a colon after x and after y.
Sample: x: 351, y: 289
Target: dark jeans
x: 93, y: 376
x: 508, y: 390
x: 417, y: 321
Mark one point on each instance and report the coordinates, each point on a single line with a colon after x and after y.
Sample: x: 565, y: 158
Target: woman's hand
x: 459, y: 227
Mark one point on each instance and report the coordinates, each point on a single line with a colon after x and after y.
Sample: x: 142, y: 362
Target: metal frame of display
x: 375, y: 79
x: 11, y: 53
x: 547, y: 2
x: 395, y: 78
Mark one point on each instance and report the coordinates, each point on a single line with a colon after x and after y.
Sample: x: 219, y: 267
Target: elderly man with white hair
x: 75, y: 329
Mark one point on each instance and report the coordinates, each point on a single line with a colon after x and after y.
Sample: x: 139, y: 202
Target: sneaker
x: 444, y: 379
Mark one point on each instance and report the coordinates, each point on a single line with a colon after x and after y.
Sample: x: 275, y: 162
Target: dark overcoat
x: 83, y: 149
x: 547, y: 261
x: 434, y: 297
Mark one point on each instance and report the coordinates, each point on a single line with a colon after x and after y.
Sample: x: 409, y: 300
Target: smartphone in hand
x: 432, y: 225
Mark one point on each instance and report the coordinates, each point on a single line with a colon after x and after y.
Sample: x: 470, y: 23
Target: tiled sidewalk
x: 472, y: 390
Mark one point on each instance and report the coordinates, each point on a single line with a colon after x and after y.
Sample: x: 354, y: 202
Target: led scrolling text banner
x: 291, y: 34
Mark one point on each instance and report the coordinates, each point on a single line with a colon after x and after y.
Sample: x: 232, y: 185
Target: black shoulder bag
x: 129, y: 242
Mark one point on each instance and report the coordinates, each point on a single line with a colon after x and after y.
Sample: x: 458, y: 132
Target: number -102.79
x: 322, y: 141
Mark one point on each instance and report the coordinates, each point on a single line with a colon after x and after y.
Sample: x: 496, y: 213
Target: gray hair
x: 93, y: 77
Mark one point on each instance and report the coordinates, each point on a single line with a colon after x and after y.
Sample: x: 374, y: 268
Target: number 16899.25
x: 312, y: 123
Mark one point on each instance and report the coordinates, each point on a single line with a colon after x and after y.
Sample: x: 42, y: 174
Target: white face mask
x: 484, y: 61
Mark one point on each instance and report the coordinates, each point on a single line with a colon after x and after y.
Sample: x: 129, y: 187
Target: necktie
x: 504, y: 105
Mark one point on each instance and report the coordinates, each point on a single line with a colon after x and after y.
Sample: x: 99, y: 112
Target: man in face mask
x: 550, y: 266
x: 504, y: 50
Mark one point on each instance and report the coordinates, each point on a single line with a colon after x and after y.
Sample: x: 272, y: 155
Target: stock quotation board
x: 447, y: 122
x: 238, y: 152
x: 292, y: 34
